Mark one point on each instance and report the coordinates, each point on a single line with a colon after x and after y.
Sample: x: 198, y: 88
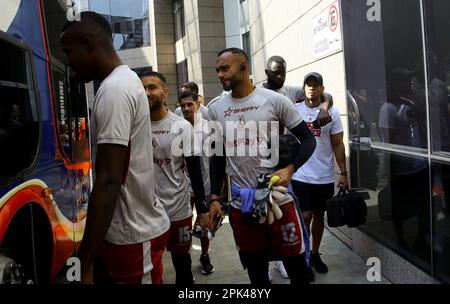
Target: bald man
x: 126, y: 225
x: 276, y: 77
x: 246, y: 116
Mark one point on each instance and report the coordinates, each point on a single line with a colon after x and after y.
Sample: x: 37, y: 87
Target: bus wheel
x: 10, y: 271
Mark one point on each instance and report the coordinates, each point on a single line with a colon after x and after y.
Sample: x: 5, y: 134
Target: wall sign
x: 327, y: 31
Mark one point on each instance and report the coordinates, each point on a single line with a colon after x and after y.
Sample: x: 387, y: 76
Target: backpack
x: 346, y: 208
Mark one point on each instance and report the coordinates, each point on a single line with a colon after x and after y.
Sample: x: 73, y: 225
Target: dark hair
x: 234, y: 51
x: 90, y: 21
x: 192, y: 86
x: 187, y: 95
x: 276, y: 59
x: 154, y: 74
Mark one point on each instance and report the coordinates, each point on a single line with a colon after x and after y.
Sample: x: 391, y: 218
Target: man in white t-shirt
x: 246, y: 117
x: 313, y: 183
x: 276, y: 77
x: 189, y: 107
x: 126, y: 226
x: 173, y: 153
x: 192, y: 87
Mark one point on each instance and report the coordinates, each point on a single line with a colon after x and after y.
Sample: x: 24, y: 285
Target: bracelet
x: 345, y: 173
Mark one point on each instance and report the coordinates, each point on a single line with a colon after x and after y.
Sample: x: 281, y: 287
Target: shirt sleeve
x: 287, y: 114
x: 114, y: 113
x: 336, y: 123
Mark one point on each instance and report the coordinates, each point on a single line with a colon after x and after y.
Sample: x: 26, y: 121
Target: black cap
x: 316, y: 76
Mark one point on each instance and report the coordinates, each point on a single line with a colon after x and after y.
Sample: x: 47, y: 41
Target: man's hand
x: 323, y: 118
x: 343, y: 182
x: 202, y: 220
x: 285, y: 175
x: 215, y: 211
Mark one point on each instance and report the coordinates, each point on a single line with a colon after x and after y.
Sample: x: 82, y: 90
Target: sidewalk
x: 345, y: 267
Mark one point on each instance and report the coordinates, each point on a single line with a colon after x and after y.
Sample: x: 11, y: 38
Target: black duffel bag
x: 346, y: 208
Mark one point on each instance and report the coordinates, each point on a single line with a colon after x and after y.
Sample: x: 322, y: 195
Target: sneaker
x: 207, y: 267
x: 310, y: 274
x: 318, y: 264
x: 280, y: 268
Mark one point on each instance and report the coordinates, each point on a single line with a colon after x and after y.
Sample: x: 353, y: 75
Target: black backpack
x: 346, y: 208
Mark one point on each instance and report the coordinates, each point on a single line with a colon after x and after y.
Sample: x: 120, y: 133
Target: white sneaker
x: 280, y: 268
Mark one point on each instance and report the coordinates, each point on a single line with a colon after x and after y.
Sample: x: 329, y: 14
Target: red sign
x: 333, y: 18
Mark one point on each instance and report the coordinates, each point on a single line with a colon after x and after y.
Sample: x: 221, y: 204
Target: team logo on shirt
x: 241, y: 110
x: 161, y: 161
x: 241, y: 122
x: 314, y: 131
x: 157, y: 132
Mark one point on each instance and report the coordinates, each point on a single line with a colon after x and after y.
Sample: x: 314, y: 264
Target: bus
x: 45, y: 163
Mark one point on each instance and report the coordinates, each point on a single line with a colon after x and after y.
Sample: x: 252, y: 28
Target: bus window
x: 79, y: 120
x: 69, y: 92
x: 19, y: 124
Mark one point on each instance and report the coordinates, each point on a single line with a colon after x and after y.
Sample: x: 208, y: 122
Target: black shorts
x: 312, y: 197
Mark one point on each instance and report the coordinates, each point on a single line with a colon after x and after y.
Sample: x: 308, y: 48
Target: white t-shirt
x: 319, y: 169
x: 201, y: 129
x: 395, y: 117
x: 121, y: 115
x: 202, y: 109
x: 172, y: 139
x: 236, y: 116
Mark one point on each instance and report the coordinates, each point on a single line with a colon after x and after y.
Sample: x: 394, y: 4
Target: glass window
x: 180, y: 27
x: 79, y: 118
x: 398, y: 201
x: 384, y: 76
x: 182, y: 73
x: 61, y: 104
x: 55, y: 18
x: 19, y: 123
x: 71, y: 114
x: 129, y: 21
x: 441, y: 220
x: 437, y: 14
x: 246, y: 47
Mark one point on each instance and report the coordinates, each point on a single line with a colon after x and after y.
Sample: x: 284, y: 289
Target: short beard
x: 228, y: 88
x: 274, y: 85
x: 313, y: 100
x: 155, y: 108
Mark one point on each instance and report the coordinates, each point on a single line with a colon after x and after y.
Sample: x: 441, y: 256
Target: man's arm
x: 103, y: 199
x: 339, y: 153
x: 327, y: 101
x: 217, y: 174
x: 308, y: 145
x: 193, y: 164
x: 324, y: 116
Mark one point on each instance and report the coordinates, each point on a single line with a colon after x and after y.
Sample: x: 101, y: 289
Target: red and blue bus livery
x: 44, y: 144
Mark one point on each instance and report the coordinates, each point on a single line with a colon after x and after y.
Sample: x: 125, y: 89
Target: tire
x: 10, y: 271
